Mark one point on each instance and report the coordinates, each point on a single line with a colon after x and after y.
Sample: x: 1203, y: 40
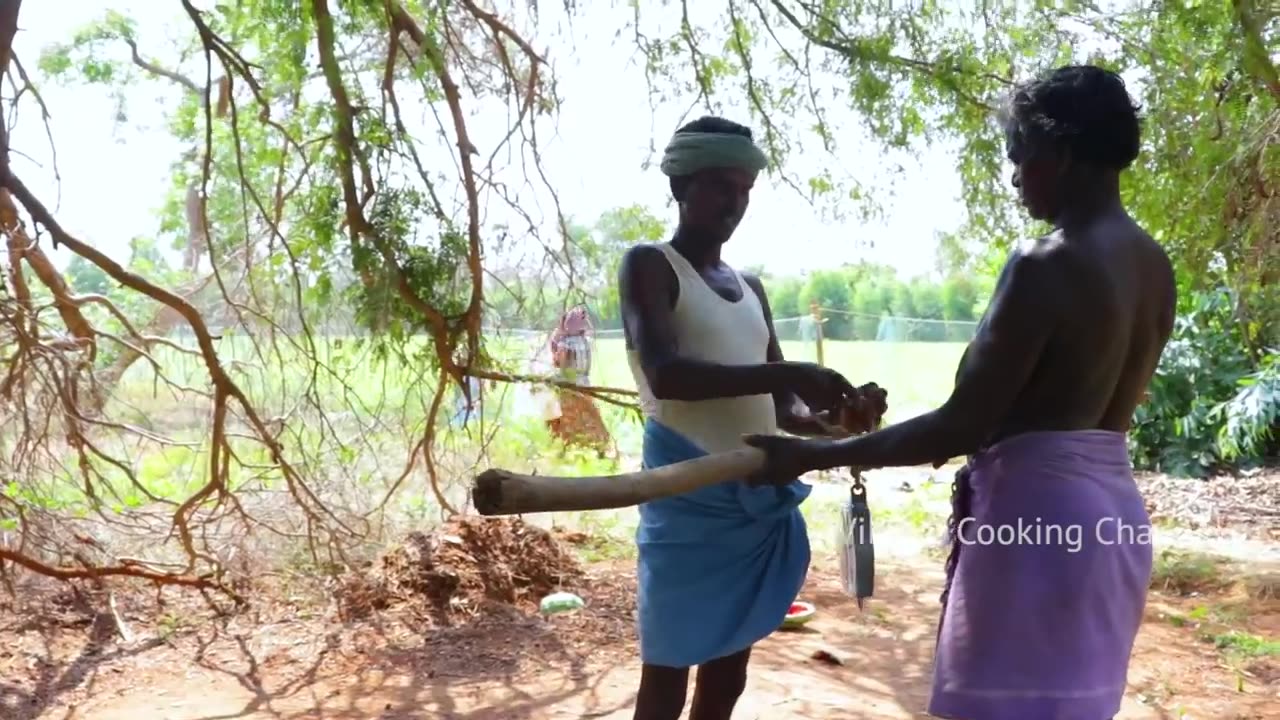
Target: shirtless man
x: 1042, y: 404
x: 718, y: 567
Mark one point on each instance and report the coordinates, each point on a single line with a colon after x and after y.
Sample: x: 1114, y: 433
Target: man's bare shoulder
x: 645, y: 260
x: 645, y: 255
x: 1042, y: 248
x: 1155, y: 251
x: 753, y: 282
x: 643, y: 250
x: 757, y: 287
x: 1045, y: 259
x: 1161, y: 276
x: 645, y: 275
x: 1034, y: 259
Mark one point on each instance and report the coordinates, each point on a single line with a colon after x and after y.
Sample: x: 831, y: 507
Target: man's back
x: 1114, y: 297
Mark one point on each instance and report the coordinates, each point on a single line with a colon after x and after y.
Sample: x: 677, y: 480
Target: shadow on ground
x: 517, y: 667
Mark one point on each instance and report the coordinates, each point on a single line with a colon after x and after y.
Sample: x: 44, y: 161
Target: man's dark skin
x: 713, y: 203
x: 1071, y: 339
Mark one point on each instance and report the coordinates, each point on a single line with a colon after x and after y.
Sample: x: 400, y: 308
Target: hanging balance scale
x: 857, y: 551
x: 855, y: 543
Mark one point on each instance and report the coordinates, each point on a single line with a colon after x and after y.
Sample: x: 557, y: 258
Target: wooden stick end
x: 486, y: 492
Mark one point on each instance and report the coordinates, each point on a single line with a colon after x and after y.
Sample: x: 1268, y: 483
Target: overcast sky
x: 114, y: 177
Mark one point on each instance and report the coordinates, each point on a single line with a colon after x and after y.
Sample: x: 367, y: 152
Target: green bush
x: 1212, y: 406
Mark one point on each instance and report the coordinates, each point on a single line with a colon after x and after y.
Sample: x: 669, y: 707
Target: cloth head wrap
x: 689, y: 152
x: 575, y: 321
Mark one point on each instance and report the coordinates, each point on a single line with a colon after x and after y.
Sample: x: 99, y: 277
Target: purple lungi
x: 1050, y: 584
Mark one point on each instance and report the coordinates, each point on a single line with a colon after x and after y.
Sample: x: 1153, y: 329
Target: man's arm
x: 787, y: 404
x: 1000, y: 361
x: 646, y: 287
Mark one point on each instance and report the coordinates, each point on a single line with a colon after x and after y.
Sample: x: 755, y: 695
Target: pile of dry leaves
x: 468, y: 567
x: 1249, y: 503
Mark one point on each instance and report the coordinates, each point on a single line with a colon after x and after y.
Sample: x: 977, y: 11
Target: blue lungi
x: 718, y: 567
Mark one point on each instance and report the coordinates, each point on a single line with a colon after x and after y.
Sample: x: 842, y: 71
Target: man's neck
x: 1093, y: 199
x: 699, y: 250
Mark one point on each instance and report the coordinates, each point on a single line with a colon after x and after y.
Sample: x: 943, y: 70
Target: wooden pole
x: 501, y: 492
x: 816, y: 311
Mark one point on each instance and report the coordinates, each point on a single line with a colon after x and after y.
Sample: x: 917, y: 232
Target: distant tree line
x: 865, y: 301
x: 856, y: 298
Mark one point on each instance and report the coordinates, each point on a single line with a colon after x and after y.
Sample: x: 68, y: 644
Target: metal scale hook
x: 857, y: 557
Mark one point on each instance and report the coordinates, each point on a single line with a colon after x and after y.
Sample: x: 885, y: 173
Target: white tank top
x: 711, y: 329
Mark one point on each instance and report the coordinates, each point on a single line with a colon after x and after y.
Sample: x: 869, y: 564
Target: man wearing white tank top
x: 718, y: 568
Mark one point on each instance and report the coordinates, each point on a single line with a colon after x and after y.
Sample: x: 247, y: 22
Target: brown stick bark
x: 22, y: 249
x: 500, y: 492
x: 8, y: 28
x: 134, y: 571
x: 162, y: 323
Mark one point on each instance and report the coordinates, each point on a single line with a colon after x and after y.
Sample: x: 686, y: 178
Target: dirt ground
x: 471, y: 646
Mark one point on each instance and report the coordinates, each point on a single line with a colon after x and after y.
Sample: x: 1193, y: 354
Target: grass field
x: 352, y: 385
x: 918, y: 376
x: 349, y: 418
x: 348, y: 376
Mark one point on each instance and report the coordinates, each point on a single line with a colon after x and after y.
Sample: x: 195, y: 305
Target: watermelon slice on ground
x: 799, y: 613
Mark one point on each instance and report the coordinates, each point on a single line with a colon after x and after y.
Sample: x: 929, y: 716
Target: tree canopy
x: 308, y: 203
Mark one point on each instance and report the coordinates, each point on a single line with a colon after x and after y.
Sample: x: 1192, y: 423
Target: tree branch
x: 154, y: 69
x: 850, y: 48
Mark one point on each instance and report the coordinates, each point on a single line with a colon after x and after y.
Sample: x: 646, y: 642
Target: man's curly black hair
x: 706, y: 124
x: 1083, y: 108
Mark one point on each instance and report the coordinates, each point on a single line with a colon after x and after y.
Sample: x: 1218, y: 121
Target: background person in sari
x: 578, y: 422
x: 1041, y: 405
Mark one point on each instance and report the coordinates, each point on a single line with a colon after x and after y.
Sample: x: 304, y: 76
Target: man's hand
x: 854, y: 415
x: 863, y: 411
x: 786, y: 458
x: 818, y: 387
